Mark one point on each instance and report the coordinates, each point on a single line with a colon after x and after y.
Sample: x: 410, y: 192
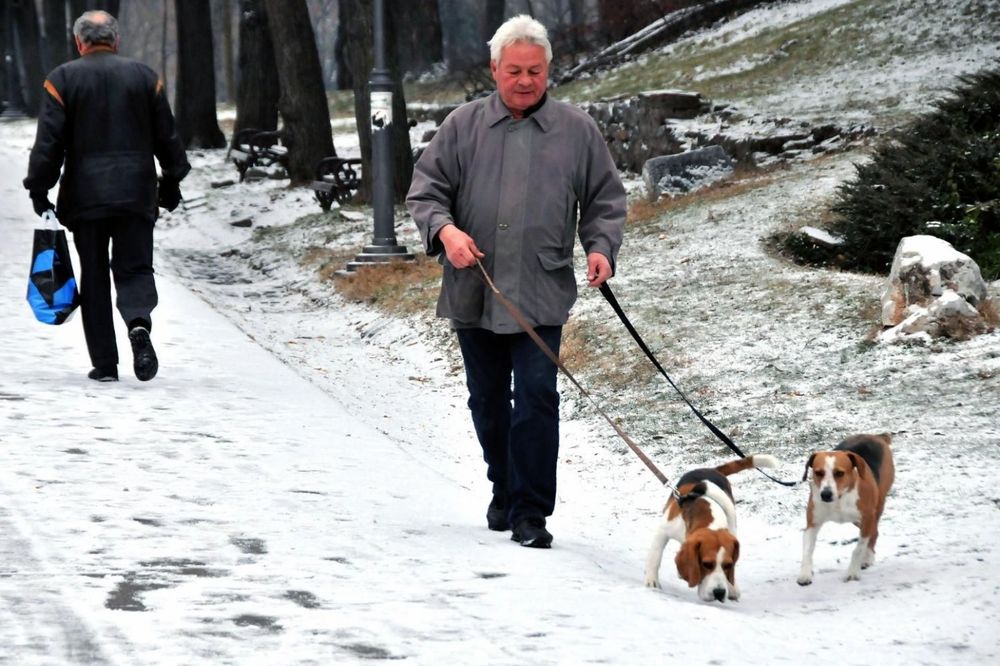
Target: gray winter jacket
x: 516, y: 186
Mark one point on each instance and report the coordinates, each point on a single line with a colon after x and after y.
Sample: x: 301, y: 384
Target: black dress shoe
x: 104, y: 374
x: 531, y: 532
x: 496, y: 514
x: 143, y: 354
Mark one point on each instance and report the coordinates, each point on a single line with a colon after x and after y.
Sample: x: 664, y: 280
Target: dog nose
x: 826, y: 495
x: 719, y: 594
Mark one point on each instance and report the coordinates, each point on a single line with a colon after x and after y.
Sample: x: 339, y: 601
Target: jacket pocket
x: 461, y: 295
x: 554, y: 290
x: 552, y: 260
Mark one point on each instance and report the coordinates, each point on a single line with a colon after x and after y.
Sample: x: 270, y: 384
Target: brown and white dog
x: 849, y: 485
x: 703, y: 520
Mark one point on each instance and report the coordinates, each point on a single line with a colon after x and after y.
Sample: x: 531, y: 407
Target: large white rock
x: 933, y: 290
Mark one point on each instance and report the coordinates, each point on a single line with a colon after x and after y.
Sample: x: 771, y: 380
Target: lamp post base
x: 377, y: 254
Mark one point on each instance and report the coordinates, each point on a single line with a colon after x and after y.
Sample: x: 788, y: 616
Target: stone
x: 933, y: 290
x: 684, y: 171
x: 822, y: 237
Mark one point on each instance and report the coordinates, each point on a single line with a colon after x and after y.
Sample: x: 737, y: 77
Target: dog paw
x: 653, y: 583
x: 804, y: 580
x: 852, y: 575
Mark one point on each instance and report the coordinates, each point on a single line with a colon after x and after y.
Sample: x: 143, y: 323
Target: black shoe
x: 104, y: 374
x: 531, y: 532
x: 143, y: 354
x: 496, y: 514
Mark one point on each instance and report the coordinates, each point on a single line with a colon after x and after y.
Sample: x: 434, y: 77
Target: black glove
x: 41, y: 203
x: 170, y: 193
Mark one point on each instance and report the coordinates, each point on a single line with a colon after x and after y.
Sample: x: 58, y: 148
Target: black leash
x: 613, y: 302
x: 529, y: 329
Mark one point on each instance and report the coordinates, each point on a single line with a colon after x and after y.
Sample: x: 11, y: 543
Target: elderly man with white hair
x: 508, y: 181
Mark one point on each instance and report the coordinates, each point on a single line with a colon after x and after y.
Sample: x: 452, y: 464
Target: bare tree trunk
x: 76, y: 9
x: 358, y: 49
x: 577, y: 24
x: 56, y: 34
x: 227, y: 50
x: 29, y: 45
x: 163, y: 43
x: 418, y: 34
x: 345, y: 79
x: 303, y: 105
x: 257, y: 90
x: 195, y: 100
x: 491, y: 21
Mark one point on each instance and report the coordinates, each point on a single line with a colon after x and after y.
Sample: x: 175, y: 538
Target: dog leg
x: 808, y: 546
x: 857, y: 557
x: 655, y: 556
x: 870, y: 553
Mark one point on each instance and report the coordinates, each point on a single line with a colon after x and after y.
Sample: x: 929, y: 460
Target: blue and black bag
x: 52, y: 291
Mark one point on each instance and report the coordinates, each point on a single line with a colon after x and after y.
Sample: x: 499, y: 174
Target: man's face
x: 521, y: 75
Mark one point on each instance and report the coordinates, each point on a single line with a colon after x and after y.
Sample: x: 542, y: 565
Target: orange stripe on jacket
x: 55, y: 93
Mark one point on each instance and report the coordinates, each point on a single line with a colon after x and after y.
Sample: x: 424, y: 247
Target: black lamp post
x: 384, y: 247
x: 14, y: 106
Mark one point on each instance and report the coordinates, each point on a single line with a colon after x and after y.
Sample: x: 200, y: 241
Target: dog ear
x: 858, y: 463
x: 688, y: 561
x: 731, y: 574
x: 809, y: 464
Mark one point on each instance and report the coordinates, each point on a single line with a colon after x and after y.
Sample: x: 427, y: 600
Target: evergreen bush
x: 938, y: 176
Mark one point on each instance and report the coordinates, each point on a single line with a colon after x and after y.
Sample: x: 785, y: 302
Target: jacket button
x: 503, y: 227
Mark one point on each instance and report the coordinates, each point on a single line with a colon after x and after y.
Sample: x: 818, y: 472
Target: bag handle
x: 50, y: 220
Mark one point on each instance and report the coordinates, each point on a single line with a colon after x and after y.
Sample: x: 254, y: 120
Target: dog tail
x: 758, y: 460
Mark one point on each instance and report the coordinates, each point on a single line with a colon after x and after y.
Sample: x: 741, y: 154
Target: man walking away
x: 103, y: 120
x: 510, y: 180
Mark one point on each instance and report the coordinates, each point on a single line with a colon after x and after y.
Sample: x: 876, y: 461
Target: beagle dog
x: 702, y: 517
x: 849, y: 485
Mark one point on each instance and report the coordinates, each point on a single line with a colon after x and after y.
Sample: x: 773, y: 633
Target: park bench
x: 337, y: 179
x: 258, y: 148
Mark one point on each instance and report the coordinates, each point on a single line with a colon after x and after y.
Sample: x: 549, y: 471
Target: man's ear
x: 688, y: 561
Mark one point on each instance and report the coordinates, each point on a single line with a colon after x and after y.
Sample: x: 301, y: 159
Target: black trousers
x: 520, y: 441
x: 131, y: 264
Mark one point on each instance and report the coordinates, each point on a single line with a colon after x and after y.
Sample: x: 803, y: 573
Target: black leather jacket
x: 105, y: 117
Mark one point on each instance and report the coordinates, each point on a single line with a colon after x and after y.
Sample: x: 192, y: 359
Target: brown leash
x: 530, y: 330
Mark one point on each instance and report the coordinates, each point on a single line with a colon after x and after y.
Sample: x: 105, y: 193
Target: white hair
x: 96, y: 27
x: 521, y: 28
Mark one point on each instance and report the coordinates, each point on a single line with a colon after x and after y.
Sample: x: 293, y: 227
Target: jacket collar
x: 497, y: 111
x: 98, y: 48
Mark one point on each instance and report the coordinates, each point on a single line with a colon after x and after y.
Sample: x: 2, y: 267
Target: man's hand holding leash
x: 598, y: 269
x: 459, y: 247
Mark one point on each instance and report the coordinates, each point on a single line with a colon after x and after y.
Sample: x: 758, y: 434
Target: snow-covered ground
x: 301, y: 483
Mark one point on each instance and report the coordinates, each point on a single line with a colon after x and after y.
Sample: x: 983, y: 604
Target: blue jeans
x: 520, y: 441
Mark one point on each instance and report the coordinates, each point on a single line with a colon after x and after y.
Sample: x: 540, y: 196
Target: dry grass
x: 399, y: 287
x: 990, y: 309
x: 743, y: 180
x: 580, y: 353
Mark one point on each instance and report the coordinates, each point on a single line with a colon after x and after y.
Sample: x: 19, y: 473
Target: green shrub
x: 938, y: 176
